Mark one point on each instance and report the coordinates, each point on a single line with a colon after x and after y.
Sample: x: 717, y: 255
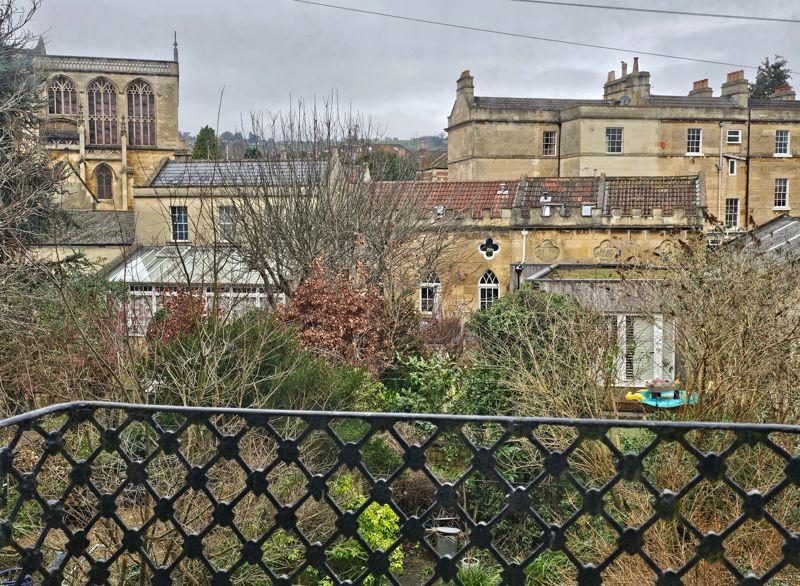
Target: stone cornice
x: 109, y: 65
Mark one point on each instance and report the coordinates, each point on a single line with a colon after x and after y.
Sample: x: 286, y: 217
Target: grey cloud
x: 402, y: 74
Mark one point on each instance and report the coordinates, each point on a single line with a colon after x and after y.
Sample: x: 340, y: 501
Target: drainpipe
x: 520, y: 267
x: 747, y: 174
x: 558, y: 151
x: 524, y: 241
x: 719, y: 176
x: 124, y: 172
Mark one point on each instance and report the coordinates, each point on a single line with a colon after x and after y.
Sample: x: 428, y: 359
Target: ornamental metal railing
x: 129, y: 494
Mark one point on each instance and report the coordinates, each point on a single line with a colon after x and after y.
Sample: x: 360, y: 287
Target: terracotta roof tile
x: 568, y: 191
x: 623, y: 193
x: 460, y: 196
x: 646, y: 193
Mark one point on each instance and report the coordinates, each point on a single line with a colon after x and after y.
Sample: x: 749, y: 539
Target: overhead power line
x: 659, y: 11
x: 524, y: 36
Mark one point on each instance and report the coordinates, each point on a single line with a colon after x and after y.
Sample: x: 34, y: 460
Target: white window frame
x: 734, y: 132
x: 732, y: 167
x: 609, y: 139
x: 433, y: 285
x: 488, y: 289
x: 784, y: 183
x: 226, y: 225
x: 731, y: 216
x: 179, y: 227
x: 694, y: 143
x: 783, y: 149
x: 662, y: 356
x: 552, y: 145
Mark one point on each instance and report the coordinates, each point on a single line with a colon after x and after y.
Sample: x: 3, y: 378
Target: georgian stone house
x: 745, y: 148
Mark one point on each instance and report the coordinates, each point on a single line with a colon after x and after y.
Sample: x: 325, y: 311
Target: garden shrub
x: 379, y: 525
x: 420, y: 385
x: 249, y: 361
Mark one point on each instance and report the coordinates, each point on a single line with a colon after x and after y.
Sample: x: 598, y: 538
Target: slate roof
x: 780, y: 235
x: 780, y: 104
x: 531, y: 103
x: 434, y: 160
x: 557, y: 104
x: 569, y: 191
x: 691, y: 101
x: 95, y: 228
x: 236, y: 173
x: 646, y: 193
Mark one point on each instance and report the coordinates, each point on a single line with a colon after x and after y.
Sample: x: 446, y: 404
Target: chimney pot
x: 700, y: 88
x: 785, y: 92
x: 624, y: 69
x: 635, y: 64
x: 736, y: 75
x: 612, y: 75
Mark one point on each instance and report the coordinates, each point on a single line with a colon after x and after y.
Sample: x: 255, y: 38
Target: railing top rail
x: 427, y: 417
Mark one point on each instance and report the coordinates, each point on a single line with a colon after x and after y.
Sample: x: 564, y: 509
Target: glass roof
x: 184, y: 265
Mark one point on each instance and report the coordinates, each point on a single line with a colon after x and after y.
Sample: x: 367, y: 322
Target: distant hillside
x: 431, y: 143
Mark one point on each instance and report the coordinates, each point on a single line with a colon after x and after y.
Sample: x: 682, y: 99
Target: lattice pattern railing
x: 108, y: 493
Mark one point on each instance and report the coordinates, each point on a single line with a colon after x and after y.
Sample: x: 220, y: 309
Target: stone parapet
x: 108, y: 65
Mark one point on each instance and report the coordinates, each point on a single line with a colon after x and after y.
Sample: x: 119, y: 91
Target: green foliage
x: 388, y: 166
x: 379, y: 525
x: 551, y: 568
x: 206, y: 146
x: 770, y: 77
x: 251, y: 152
x: 259, y: 363
x: 419, y: 385
x: 522, y: 318
x: 481, y: 392
x: 479, y: 575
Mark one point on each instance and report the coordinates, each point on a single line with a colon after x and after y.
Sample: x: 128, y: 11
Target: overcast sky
x: 403, y: 74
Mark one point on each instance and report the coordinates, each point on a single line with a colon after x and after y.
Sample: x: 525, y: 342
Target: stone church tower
x: 109, y: 123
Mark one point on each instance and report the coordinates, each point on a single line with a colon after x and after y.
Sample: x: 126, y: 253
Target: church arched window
x: 62, y: 98
x: 141, y: 114
x: 488, y: 290
x: 102, y: 97
x: 105, y: 181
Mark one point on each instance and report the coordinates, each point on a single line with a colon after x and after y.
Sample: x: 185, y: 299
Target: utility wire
x: 659, y: 11
x: 524, y: 36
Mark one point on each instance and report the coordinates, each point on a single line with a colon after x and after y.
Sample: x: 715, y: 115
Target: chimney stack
x: 700, y: 88
x: 465, y: 85
x: 635, y: 86
x: 783, y: 93
x: 737, y: 87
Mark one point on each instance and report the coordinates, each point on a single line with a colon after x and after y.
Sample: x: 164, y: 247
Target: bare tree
x: 27, y: 180
x: 313, y: 199
x: 736, y: 310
